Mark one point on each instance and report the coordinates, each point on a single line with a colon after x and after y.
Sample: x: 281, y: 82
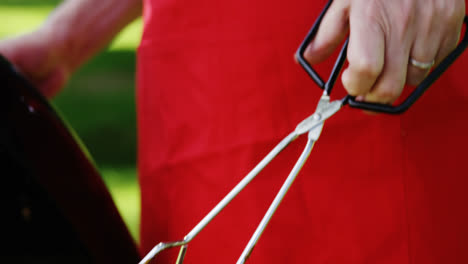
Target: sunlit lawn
x: 20, y: 19
x: 98, y: 103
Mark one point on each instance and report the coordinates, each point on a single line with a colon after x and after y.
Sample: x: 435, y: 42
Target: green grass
x: 98, y: 102
x: 126, y: 194
x: 19, y: 19
x: 30, y: 2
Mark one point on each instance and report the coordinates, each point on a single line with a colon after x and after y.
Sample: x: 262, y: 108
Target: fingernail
x: 360, y: 98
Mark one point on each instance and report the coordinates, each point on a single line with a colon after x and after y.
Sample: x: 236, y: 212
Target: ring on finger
x: 421, y: 65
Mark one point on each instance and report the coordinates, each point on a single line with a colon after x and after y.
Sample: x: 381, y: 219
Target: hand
x: 383, y: 36
x: 38, y: 56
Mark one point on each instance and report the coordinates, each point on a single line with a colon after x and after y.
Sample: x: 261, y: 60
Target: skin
x: 383, y: 34
x: 72, y: 34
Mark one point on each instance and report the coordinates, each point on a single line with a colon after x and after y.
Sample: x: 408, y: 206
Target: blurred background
x: 98, y: 102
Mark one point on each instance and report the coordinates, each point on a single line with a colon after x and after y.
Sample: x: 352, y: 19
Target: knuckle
x: 367, y: 67
x: 451, y: 11
x: 374, y: 16
x: 428, y: 17
x: 400, y: 22
x: 406, y: 17
x: 370, y: 13
x: 351, y: 86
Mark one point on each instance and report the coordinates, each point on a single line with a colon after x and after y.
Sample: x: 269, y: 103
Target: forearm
x: 80, y: 28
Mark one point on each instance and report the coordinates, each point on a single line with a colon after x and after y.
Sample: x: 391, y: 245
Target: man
x: 217, y: 88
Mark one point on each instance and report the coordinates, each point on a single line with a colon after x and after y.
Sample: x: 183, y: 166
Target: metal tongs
x: 312, y: 126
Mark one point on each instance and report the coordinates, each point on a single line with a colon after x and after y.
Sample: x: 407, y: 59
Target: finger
x: 366, y: 52
x: 332, y: 31
x: 453, y: 27
x: 391, y: 81
x: 448, y: 44
x: 427, y: 40
x: 423, y: 51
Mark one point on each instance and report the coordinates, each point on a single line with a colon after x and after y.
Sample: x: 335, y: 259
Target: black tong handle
x: 383, y: 108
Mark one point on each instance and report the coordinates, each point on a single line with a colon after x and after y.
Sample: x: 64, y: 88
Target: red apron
x: 218, y: 88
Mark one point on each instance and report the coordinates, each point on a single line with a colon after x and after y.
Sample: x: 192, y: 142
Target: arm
x: 72, y: 34
x: 84, y: 27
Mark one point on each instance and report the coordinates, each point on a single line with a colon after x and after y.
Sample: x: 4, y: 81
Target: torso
x: 218, y: 88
